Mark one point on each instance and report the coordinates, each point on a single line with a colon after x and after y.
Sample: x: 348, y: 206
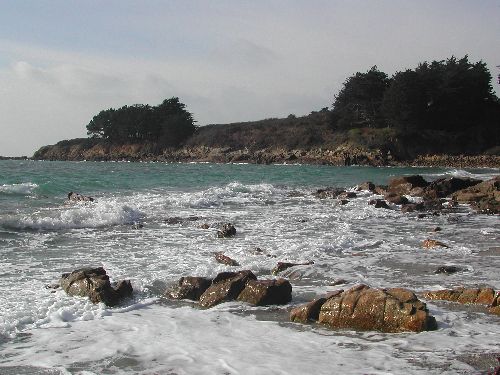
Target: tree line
x: 168, y: 123
x: 452, y: 95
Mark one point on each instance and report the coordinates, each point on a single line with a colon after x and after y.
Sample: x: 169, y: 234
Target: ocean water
x: 272, y: 208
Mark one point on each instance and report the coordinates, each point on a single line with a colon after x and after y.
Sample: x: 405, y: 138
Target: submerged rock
x: 226, y: 230
x: 224, y: 259
x: 379, y: 203
x: 94, y: 283
x: 385, y: 310
x: 77, y: 197
x: 330, y: 192
x: 281, y: 266
x: 448, y: 269
x: 429, y: 244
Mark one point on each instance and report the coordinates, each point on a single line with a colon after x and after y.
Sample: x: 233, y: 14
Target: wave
x: 25, y: 188
x: 483, y: 174
x: 81, y: 215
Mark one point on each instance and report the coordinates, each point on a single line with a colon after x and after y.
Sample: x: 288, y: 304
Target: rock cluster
x: 229, y: 286
x: 478, y: 296
x: 94, y: 283
x: 365, y: 308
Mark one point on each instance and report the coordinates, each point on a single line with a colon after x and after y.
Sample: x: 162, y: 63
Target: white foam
x: 25, y: 188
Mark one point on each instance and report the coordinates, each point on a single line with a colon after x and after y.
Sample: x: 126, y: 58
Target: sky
x: 63, y: 61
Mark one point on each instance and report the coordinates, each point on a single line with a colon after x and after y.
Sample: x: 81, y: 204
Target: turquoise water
x: 273, y: 208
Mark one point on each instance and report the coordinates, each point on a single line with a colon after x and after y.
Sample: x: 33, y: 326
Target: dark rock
x: 365, y: 308
x: 347, y: 194
x: 226, y: 230
x: 422, y: 216
x: 344, y: 201
x: 307, y: 312
x: 204, y: 226
x: 281, y: 266
x: 396, y: 199
x: 224, y: 259
x: 444, y: 187
x: 189, y: 287
x: 330, y: 192
x: 76, y: 197
x: 379, y: 203
x: 94, y: 283
x: 410, y: 207
x: 266, y: 292
x: 174, y: 220
x: 448, y: 269
x: 368, y: 185
x: 225, y: 288
x: 404, y: 185
x: 137, y: 226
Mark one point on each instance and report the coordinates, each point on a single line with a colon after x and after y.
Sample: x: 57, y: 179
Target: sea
x: 126, y: 231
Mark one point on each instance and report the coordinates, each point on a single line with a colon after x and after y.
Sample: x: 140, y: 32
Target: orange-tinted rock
x: 266, y: 292
x: 224, y: 259
x: 429, y: 244
x: 482, y: 296
x: 365, y: 308
x: 404, y: 185
x: 307, y: 312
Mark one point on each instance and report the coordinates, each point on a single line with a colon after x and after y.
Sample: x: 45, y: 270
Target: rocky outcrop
x: 483, y: 197
x: 94, y: 283
x: 266, y: 292
x: 189, y: 287
x: 365, y: 308
x: 226, y: 288
x: 444, y: 187
x: 411, y: 185
x: 477, y: 296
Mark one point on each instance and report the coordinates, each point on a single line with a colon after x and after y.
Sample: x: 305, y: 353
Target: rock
x: 204, y: 226
x: 429, y: 244
x: 94, y: 283
x: 307, y: 312
x: 436, y: 229
x: 347, y: 194
x: 422, y: 216
x: 224, y: 259
x: 266, y: 292
x: 281, y: 266
x: 410, y: 207
x: 368, y: 185
x: 344, y: 202
x: 173, y: 220
x: 483, y: 197
x: 226, y: 230
x: 448, y: 269
x: 137, y: 226
x: 405, y: 184
x: 380, y: 190
x: 365, y: 308
x: 329, y: 192
x: 444, y: 187
x: 76, y: 197
x: 481, y: 296
x: 396, y: 198
x: 189, y: 287
x: 379, y: 203
x: 225, y: 287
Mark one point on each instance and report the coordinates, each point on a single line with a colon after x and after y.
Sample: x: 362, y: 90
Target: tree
x: 358, y: 102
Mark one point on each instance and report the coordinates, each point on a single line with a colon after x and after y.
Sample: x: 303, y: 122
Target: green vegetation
x: 168, y: 124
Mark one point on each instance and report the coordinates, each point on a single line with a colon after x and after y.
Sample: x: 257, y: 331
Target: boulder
x: 483, y: 197
x: 329, y: 192
x: 379, y: 203
x: 189, y: 287
x: 266, y: 292
x: 368, y: 185
x: 281, y: 266
x: 385, y: 310
x: 224, y: 259
x: 405, y: 185
x: 444, y: 187
x: 226, y: 286
x: 396, y: 198
x: 307, y: 312
x: 94, y: 283
x: 481, y: 296
x: 77, y: 197
x: 429, y: 244
x: 226, y: 230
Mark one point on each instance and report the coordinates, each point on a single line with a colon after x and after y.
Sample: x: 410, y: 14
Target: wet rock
x: 430, y: 244
x: 307, y: 312
x: 483, y: 197
x: 266, y: 292
x: 404, y: 185
x: 368, y: 185
x: 204, y: 226
x: 173, y: 220
x: 396, y: 199
x: 448, y: 269
x: 225, y: 287
x: 436, y: 229
x: 422, y: 216
x: 411, y: 207
x: 226, y: 230
x: 77, y: 197
x: 137, y: 226
x: 224, y: 259
x: 94, y: 283
x: 481, y: 296
x: 330, y: 192
x: 189, y: 287
x: 347, y: 194
x: 344, y: 202
x: 379, y: 203
x: 281, y: 266
x: 444, y: 187
x: 365, y: 308
x: 380, y: 189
